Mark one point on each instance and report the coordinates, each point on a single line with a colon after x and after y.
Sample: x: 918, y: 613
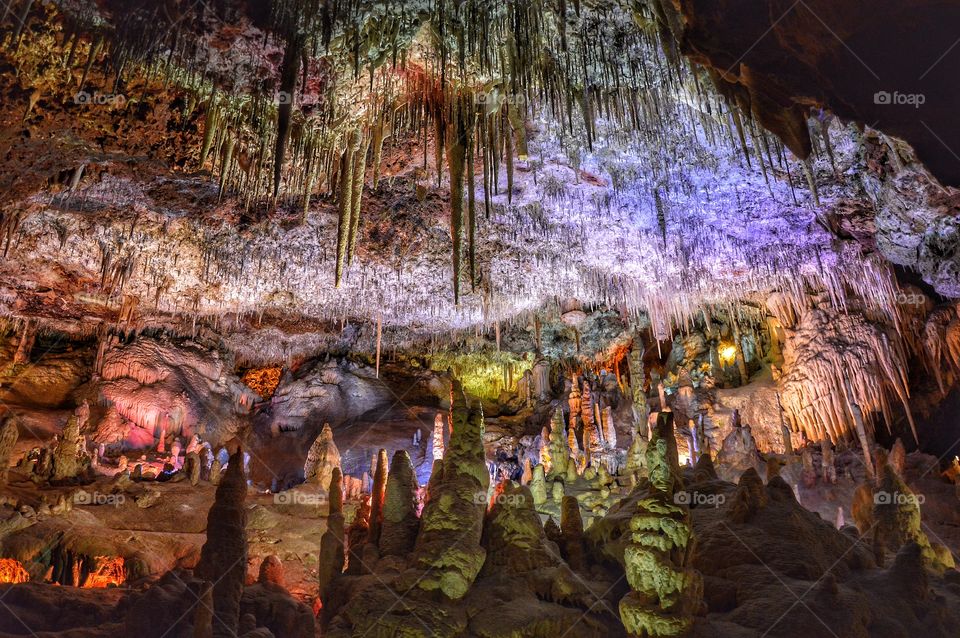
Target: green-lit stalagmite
x: 448, y: 554
x: 666, y: 591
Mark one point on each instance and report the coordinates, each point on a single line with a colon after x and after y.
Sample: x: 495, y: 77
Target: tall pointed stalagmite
x: 448, y: 555
x: 400, y: 522
x: 223, y: 558
x: 376, y: 498
x: 331, y: 543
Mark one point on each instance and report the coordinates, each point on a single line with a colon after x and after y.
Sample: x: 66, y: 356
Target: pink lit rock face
x: 156, y: 386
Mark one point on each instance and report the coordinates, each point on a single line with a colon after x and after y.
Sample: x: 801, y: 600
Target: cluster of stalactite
x: 488, y: 68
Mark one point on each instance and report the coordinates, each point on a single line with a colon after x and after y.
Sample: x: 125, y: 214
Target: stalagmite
x: 400, y: 522
x: 330, y: 563
x: 322, y: 458
x: 558, y: 446
x: 666, y: 591
x: 223, y: 558
x: 448, y: 555
x: 69, y: 458
x: 437, y: 440
x: 377, y: 496
x: 538, y: 487
x: 571, y: 529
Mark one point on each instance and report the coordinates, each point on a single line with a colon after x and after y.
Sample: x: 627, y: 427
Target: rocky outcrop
x: 223, y: 559
x: 163, y: 386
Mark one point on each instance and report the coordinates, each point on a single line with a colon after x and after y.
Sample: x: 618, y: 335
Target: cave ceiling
x: 178, y: 163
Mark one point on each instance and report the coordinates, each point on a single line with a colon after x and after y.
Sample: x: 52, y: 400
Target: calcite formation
x: 400, y: 520
x: 323, y: 458
x: 448, y: 554
x: 666, y: 590
x: 8, y: 439
x: 223, y: 559
x: 331, y: 561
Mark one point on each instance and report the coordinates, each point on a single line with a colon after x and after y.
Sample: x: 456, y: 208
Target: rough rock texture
x: 738, y: 453
x: 322, y: 458
x: 667, y: 592
x: 223, y: 559
x: 331, y: 561
x: 156, y: 386
x: 448, y: 547
x: 69, y: 457
x: 400, y: 521
x: 8, y: 439
x: 826, y: 352
x: 513, y: 534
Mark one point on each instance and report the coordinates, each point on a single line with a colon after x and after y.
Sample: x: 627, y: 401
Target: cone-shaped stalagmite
x: 513, y: 534
x: 223, y: 559
x: 400, y: 522
x: 448, y: 555
x: 331, y: 544
x: 322, y: 458
x: 666, y: 591
x: 376, y: 498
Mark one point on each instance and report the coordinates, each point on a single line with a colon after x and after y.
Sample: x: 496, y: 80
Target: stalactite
x: 345, y: 204
x: 357, y: 173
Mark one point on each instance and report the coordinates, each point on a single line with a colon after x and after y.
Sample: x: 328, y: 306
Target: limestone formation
x: 400, y: 521
x: 436, y: 447
x: 666, y: 591
x: 330, y: 563
x: 356, y: 537
x: 69, y: 458
x: 513, y: 535
x: 271, y: 571
x: 377, y: 497
x: 538, y: 487
x: 8, y: 439
x: 448, y: 555
x: 322, y: 458
x: 571, y: 529
x: 223, y: 558
x: 896, y: 516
